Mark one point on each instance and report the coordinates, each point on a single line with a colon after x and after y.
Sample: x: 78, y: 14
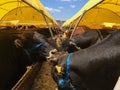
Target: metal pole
x: 55, y: 28
x: 43, y: 16
x: 100, y: 34
x: 48, y: 24
x: 70, y: 26
x: 76, y: 25
x: 81, y: 17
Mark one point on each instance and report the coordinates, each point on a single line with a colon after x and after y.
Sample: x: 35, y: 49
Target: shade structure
x: 24, y: 12
x: 97, y: 14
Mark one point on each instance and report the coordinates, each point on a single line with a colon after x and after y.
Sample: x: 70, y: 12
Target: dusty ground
x: 44, y: 80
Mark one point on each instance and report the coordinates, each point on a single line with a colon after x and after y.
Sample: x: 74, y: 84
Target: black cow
x: 46, y: 50
x: 19, y: 49
x: 84, y: 40
x: 13, y: 60
x: 35, y: 44
x: 93, y: 68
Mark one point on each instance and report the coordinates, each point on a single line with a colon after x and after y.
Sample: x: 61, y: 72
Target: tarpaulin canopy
x: 24, y: 12
x: 97, y: 14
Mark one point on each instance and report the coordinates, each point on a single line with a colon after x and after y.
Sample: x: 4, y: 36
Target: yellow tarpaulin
x: 24, y: 12
x: 98, y: 14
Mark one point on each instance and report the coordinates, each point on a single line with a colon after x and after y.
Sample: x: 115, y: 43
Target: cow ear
x: 18, y: 43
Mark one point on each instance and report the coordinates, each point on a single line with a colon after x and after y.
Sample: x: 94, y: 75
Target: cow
x: 13, y: 60
x: 19, y: 49
x: 82, y: 41
x: 94, y: 68
x: 36, y: 44
x: 78, y: 30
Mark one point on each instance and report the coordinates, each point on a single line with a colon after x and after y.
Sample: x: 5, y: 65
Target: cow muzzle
x: 52, y: 55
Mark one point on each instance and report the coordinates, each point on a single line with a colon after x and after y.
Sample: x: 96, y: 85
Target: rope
x: 65, y: 83
x: 38, y: 45
x: 68, y: 67
x: 28, y: 51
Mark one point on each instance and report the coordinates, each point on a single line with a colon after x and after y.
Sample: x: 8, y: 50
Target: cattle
x: 94, y: 68
x: 13, y: 60
x: 83, y: 40
x: 78, y: 30
x: 19, y: 49
x: 36, y: 44
x: 47, y: 49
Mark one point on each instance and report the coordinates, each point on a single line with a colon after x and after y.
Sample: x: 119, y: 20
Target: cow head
x: 68, y: 45
x: 58, y: 72
x: 24, y: 40
x: 46, y: 50
x: 35, y: 43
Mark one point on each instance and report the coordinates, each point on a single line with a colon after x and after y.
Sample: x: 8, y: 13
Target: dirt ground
x: 44, y: 79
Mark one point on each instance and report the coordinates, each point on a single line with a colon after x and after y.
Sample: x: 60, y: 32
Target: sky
x: 63, y: 9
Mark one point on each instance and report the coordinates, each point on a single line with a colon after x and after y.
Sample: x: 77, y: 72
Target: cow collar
x: 38, y: 45
x: 28, y: 51
x: 65, y: 83
x: 68, y: 67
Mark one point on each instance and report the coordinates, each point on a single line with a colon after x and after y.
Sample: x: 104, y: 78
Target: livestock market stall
x: 26, y: 81
x: 97, y: 15
x: 15, y: 13
x: 29, y: 73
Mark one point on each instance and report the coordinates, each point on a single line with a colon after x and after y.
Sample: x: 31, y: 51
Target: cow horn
x: 18, y: 43
x: 72, y: 43
x: 77, y: 47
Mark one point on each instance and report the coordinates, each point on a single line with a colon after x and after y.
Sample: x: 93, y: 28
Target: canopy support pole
x: 76, y: 24
x: 100, y: 34
x: 55, y: 28
x: 43, y: 16
x: 70, y: 26
x: 48, y: 24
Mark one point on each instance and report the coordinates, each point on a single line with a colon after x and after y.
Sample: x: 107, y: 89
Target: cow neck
x: 67, y: 78
x: 38, y: 45
x: 28, y: 51
x: 68, y: 67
